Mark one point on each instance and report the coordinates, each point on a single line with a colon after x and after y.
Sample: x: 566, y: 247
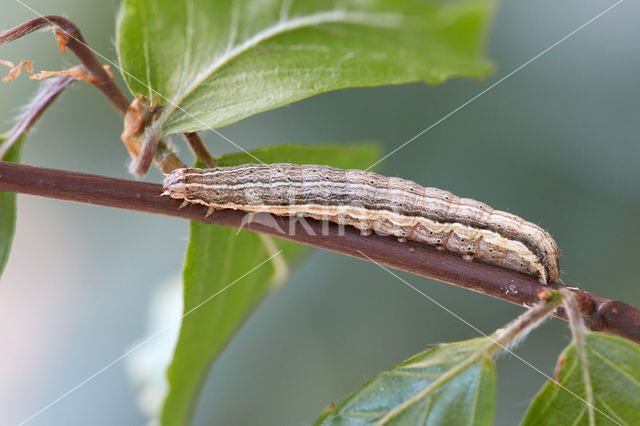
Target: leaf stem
x: 577, y: 330
x: 598, y: 313
x: 498, y: 340
x: 198, y: 148
x: 141, y: 165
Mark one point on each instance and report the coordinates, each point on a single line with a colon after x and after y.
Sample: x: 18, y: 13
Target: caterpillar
x: 371, y: 202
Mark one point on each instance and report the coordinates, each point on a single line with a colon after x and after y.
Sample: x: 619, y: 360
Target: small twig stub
x: 371, y: 202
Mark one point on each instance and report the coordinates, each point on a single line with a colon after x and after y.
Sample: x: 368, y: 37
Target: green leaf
x: 354, y: 156
x: 464, y: 398
x: 218, y: 257
x: 614, y: 368
x: 8, y: 207
x: 212, y: 63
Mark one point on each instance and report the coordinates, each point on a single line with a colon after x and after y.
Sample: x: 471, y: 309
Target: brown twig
x: 599, y: 313
x: 69, y: 36
x: 149, y: 149
x: 198, y: 148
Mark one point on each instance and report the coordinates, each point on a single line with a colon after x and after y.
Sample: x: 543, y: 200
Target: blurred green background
x: 556, y: 143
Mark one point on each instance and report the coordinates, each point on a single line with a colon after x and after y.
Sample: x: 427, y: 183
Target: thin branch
x: 599, y: 313
x: 35, y: 110
x: 198, y: 148
x: 141, y: 165
x: 68, y: 35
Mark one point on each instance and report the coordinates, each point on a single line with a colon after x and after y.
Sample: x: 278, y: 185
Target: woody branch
x: 599, y: 313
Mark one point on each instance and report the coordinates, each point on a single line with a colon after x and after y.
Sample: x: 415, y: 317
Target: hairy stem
x: 598, y: 313
x: 577, y: 330
x: 499, y: 340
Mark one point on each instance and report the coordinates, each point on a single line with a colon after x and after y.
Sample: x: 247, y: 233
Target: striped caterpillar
x: 371, y: 202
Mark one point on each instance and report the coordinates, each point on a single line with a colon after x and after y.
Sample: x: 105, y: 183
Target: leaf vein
x: 382, y: 20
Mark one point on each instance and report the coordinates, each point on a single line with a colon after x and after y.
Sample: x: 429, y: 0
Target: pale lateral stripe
x: 362, y: 213
x: 397, y: 219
